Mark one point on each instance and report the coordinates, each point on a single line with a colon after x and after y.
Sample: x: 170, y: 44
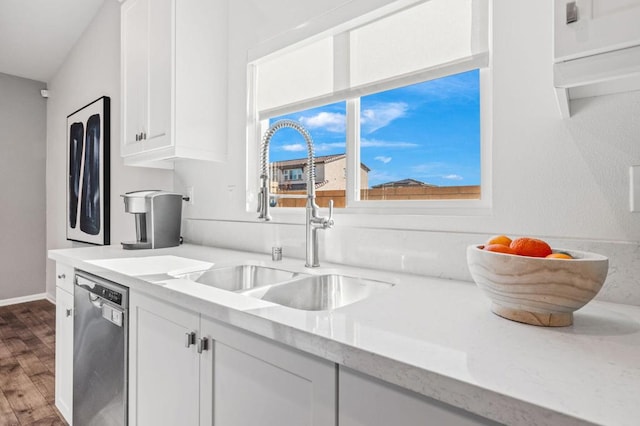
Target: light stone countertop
x: 433, y: 336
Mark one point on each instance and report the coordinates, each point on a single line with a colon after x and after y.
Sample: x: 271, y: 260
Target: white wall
x: 562, y: 180
x: 91, y: 70
x: 22, y: 180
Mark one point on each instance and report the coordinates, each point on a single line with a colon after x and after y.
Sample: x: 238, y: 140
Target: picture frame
x: 88, y: 173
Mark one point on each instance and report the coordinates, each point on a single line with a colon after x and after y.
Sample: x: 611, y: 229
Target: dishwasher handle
x: 84, y: 282
x: 96, y: 301
x: 106, y: 291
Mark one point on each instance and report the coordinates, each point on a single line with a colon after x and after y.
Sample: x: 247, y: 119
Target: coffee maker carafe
x: 157, y: 215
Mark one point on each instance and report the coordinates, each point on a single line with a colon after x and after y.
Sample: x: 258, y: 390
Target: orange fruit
x: 530, y: 247
x: 499, y: 239
x: 559, y: 255
x: 500, y: 248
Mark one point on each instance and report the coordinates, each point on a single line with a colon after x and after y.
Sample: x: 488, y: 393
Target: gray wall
x: 22, y: 187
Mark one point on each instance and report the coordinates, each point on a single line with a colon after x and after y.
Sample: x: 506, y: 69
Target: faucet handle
x: 328, y: 222
x: 259, y: 210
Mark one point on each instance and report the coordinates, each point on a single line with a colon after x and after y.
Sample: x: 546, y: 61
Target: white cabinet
x: 188, y: 370
x: 601, y: 26
x: 146, y: 75
x: 64, y: 341
x: 366, y: 401
x: 173, y: 65
x: 64, y: 277
x: 253, y: 381
x: 598, y: 53
x: 163, y: 363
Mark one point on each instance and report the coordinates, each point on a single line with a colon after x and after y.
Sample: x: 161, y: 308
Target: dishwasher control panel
x: 108, y: 294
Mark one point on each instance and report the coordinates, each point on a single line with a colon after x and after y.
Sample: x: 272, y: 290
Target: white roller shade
x: 297, y: 75
x: 421, y: 42
x: 423, y: 37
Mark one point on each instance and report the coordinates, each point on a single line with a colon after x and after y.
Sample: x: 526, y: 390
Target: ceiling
x: 37, y: 35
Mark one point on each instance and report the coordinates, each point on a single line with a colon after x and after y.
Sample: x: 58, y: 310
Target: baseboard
x: 23, y: 299
x: 50, y: 298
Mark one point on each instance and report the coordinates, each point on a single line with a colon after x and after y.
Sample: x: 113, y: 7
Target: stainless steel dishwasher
x: 100, y: 340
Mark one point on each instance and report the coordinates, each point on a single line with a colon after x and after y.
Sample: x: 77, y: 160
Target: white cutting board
x: 151, y: 265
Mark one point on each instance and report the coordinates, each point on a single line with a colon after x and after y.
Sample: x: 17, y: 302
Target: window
x: 288, y: 155
x: 422, y: 141
x: 393, y: 105
x: 292, y: 174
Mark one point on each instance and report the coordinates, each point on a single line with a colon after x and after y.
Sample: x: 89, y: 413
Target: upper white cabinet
x: 596, y: 48
x: 174, y: 79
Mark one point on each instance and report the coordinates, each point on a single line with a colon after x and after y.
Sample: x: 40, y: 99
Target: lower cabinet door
x: 163, y: 364
x: 64, y: 353
x: 366, y: 401
x: 252, y: 381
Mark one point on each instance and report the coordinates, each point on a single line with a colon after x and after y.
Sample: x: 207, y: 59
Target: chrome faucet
x: 313, y: 220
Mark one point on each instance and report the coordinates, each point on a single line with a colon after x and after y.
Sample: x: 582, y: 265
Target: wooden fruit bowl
x: 535, y: 290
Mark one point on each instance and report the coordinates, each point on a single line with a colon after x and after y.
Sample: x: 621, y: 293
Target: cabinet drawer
x: 64, y: 277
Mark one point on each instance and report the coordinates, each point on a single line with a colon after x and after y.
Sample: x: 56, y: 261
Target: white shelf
x: 606, y: 73
x: 598, y: 51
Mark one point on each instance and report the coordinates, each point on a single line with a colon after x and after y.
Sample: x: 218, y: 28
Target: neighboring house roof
x: 403, y: 182
x: 302, y: 162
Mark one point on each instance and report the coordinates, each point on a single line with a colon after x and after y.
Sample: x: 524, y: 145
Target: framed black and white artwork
x: 88, y: 132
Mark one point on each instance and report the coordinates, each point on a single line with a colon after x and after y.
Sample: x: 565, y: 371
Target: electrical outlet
x: 190, y: 194
x: 634, y: 188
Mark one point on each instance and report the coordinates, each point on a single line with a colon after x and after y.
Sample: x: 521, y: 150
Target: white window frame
x: 410, y: 210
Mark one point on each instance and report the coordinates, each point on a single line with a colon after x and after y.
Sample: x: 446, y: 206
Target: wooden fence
x: 470, y: 192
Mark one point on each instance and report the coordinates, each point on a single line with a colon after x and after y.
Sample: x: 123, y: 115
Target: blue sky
x: 427, y: 131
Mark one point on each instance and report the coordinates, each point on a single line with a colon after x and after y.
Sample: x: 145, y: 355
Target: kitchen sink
x: 240, y: 277
x: 320, y: 292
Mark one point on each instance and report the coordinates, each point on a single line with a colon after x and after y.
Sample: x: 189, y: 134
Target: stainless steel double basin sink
x: 288, y: 288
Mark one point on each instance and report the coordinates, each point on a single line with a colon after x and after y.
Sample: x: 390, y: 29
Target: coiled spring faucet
x: 313, y: 220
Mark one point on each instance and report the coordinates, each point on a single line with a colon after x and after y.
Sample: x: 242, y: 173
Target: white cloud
x: 383, y: 159
x: 452, y: 177
x: 381, y: 115
x: 368, y: 143
x: 329, y: 121
x: 323, y: 147
x: 376, y: 177
x: 318, y: 147
x: 435, y: 170
x: 294, y: 147
x: 428, y: 169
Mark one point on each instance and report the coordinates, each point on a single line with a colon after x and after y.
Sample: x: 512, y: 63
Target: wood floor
x: 27, y: 364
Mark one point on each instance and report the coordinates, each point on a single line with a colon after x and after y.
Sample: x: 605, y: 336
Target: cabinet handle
x: 190, y: 339
x: 143, y: 135
x: 62, y: 276
x: 203, y: 345
x: 572, y: 12
x: 137, y: 137
x: 68, y: 312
